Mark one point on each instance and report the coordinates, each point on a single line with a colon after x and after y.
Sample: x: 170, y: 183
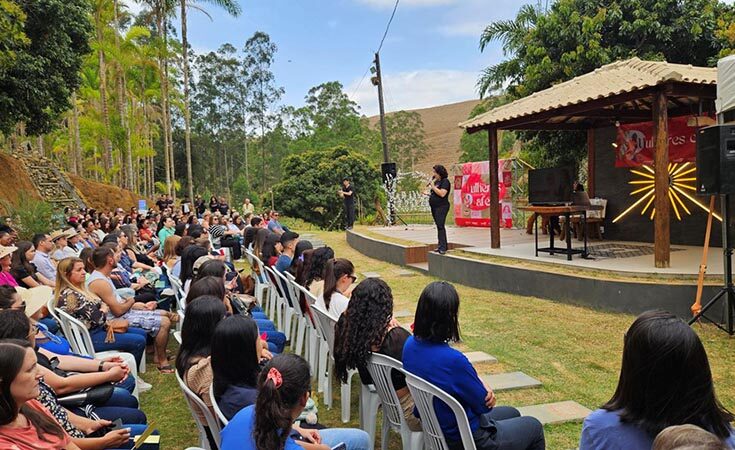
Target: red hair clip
x: 275, y: 376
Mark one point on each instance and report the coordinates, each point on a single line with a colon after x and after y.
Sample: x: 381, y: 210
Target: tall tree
x: 259, y: 53
x: 233, y: 8
x: 406, y: 138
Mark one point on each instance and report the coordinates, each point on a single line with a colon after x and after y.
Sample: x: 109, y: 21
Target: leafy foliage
x: 311, y: 181
x: 475, y: 147
x: 406, y: 138
x: 31, y: 215
x: 36, y: 88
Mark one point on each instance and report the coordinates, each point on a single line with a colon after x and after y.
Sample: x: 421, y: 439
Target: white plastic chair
x: 218, y: 412
x: 261, y: 285
x: 196, y: 404
x: 299, y: 324
x: 284, y: 310
x: 314, y: 336
x: 180, y: 298
x: 423, y: 394
x: 81, y: 342
x: 369, y: 400
x: 380, y: 367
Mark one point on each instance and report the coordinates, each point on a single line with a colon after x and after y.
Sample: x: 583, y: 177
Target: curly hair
x: 362, y: 326
x: 314, y: 270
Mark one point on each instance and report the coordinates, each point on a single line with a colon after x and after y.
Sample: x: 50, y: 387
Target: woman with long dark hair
x: 366, y: 327
x: 428, y: 355
x: 313, y: 270
x: 22, y: 418
x: 259, y: 242
x: 23, y: 270
x: 188, y: 257
x: 284, y: 387
x: 665, y: 380
x: 339, y: 274
x: 271, y: 249
x: 438, y: 190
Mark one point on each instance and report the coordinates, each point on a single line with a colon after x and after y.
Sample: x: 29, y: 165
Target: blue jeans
x: 123, y: 398
x: 259, y: 315
x: 128, y: 384
x: 353, y: 438
x: 276, y: 341
x: 137, y: 430
x: 50, y: 323
x: 264, y: 324
x: 132, y: 342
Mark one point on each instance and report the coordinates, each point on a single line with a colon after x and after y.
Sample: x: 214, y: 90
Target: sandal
x: 167, y: 369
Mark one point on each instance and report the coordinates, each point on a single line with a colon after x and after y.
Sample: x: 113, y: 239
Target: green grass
x: 574, y: 351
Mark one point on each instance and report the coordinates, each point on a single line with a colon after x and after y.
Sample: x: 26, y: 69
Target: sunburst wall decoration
x: 681, y: 183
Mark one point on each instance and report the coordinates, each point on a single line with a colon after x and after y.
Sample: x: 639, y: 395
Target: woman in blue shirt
x: 428, y: 355
x: 665, y: 380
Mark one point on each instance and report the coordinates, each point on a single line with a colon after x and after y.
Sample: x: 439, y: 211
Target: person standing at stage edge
x: 348, y: 194
x: 439, y: 188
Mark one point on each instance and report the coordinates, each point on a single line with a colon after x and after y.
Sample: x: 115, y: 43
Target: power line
x: 361, y: 80
x: 388, y: 26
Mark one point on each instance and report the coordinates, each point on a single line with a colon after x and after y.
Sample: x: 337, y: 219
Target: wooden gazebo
x: 625, y: 92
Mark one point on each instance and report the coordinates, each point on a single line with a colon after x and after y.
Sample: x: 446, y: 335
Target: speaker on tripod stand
x: 716, y: 176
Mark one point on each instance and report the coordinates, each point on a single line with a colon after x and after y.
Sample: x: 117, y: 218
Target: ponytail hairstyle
x: 333, y: 271
x: 281, y: 385
x: 12, y: 354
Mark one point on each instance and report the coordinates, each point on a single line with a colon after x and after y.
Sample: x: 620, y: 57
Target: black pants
x: 234, y: 244
x: 503, y: 429
x: 439, y: 213
x: 349, y: 214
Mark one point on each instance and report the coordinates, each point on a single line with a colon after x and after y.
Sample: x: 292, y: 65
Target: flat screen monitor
x: 550, y: 186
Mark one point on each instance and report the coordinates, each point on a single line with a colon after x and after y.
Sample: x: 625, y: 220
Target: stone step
x: 480, y: 358
x: 510, y: 380
x: 559, y: 412
x: 405, y: 273
x: 402, y: 313
x: 371, y: 274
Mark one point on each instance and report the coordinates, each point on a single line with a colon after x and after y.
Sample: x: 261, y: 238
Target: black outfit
x: 213, y: 206
x: 349, y: 206
x: 224, y: 208
x: 439, y: 209
x: 392, y: 346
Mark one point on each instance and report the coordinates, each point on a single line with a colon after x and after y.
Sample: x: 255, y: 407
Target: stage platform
x: 619, y: 276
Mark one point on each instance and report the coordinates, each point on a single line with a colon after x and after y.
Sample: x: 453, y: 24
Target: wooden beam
x: 700, y: 91
x: 494, y: 191
x: 591, y: 162
x: 661, y: 221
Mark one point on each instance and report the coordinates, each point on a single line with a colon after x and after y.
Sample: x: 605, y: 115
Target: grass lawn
x: 574, y: 351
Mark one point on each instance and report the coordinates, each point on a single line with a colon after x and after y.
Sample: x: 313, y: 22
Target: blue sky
x: 430, y: 57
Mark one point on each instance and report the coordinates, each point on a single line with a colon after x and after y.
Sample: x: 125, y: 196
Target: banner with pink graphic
x: 471, y: 187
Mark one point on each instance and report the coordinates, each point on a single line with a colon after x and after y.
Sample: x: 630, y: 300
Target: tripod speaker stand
x: 727, y: 293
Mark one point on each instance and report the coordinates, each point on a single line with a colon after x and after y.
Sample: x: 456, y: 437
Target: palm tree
x: 512, y: 34
x: 233, y: 8
x: 100, y: 23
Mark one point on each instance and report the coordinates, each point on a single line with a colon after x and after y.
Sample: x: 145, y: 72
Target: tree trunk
x: 168, y: 128
x: 106, y: 143
x: 187, y: 113
x: 78, y: 156
x: 164, y: 98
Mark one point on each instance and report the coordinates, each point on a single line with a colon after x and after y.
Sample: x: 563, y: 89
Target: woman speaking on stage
x: 439, y: 188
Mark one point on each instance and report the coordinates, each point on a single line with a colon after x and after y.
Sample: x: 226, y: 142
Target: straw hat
x: 57, y: 234
x: 35, y: 298
x: 5, y: 251
x: 70, y: 232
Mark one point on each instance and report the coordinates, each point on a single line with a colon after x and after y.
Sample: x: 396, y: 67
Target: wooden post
x: 494, y: 194
x: 661, y: 166
x: 591, y: 162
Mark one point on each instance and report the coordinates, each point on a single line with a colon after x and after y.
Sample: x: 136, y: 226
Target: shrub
x: 32, y: 216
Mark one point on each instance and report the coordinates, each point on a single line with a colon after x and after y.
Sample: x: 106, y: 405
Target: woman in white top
x: 339, y: 275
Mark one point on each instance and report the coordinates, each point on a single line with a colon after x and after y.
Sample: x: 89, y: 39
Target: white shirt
x: 337, y: 304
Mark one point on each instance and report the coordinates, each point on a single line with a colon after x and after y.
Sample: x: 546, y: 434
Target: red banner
x: 635, y: 146
x: 472, y: 194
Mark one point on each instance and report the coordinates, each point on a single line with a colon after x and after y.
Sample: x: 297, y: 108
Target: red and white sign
x: 471, y: 189
x: 635, y: 144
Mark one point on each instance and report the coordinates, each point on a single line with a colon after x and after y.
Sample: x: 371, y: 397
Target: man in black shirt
x: 439, y: 187
x: 348, y: 194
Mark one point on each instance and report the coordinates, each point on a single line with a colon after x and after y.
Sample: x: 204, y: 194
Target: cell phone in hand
x: 340, y: 446
x: 116, y: 424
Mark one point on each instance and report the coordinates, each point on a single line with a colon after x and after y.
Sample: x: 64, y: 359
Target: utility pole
x: 388, y: 169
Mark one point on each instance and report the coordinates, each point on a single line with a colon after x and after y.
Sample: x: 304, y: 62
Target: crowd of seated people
x: 114, y: 272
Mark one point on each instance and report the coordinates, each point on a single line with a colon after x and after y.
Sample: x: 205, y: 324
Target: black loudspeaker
x: 388, y: 170
x: 716, y: 160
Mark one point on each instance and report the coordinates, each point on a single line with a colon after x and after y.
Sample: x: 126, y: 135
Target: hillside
x: 442, y: 132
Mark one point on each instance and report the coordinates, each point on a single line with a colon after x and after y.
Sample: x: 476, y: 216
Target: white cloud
x: 133, y: 7
x: 415, y: 3
x: 415, y: 89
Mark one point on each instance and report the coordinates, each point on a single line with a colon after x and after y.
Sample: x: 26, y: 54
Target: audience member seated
x: 42, y: 259
x: 259, y: 242
x: 428, y: 355
x: 271, y: 249
x: 193, y: 360
x: 368, y: 326
x: 73, y: 297
x: 188, y: 257
x: 128, y: 240
x: 687, y: 437
x: 23, y: 269
x: 274, y: 225
x: 284, y: 386
x: 61, y: 248
x: 288, y: 242
x: 222, y: 236
x: 312, y: 271
x: 170, y: 258
x: 6, y: 278
x: 298, y: 257
x: 665, y: 380
x: 339, y: 275
x: 156, y: 322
